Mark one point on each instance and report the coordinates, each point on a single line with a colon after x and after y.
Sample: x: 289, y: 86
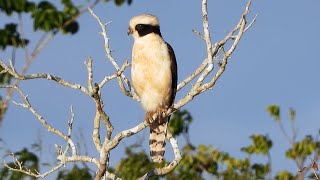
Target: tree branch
x: 57, y: 79
x: 41, y: 43
x: 62, y: 155
x: 130, y: 92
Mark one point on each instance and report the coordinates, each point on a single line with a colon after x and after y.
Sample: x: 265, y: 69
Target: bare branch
x: 43, y: 76
x: 90, y: 74
x: 62, y: 155
x: 41, y: 43
x: 241, y: 26
x: 115, y: 75
x: 126, y: 133
x: 208, y: 44
x: 34, y: 173
x: 206, y: 31
x: 251, y: 23
x: 199, y: 34
x: 28, y: 106
x: 104, y: 155
x: 70, y: 142
x: 96, y: 130
x: 193, y: 75
x: 130, y: 92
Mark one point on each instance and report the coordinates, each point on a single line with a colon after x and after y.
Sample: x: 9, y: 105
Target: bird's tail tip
x: 157, y: 142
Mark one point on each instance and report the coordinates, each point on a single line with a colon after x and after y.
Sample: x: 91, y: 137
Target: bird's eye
x: 140, y: 27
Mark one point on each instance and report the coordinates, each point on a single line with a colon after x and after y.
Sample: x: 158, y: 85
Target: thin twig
x: 62, y: 155
x: 130, y: 92
x: 42, y: 76
x: 90, y: 74
x: 41, y: 44
x: 115, y: 75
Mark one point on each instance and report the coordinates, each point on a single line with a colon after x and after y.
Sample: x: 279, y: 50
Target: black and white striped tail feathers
x: 157, y: 140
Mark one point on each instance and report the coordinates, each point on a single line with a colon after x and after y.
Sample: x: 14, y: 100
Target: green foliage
x: 134, y: 165
x: 284, y: 175
x: 5, y: 77
x: 75, y: 173
x: 304, y: 148
x: 9, y: 36
x: 313, y: 176
x: 261, y: 170
x: 18, y: 6
x: 179, y: 122
x: 194, y: 162
x: 274, y: 111
x: 218, y: 164
x: 121, y: 2
x: 48, y: 18
x: 30, y: 161
x: 260, y: 145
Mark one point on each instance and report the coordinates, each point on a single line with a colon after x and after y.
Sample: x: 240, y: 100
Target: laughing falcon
x: 154, y: 77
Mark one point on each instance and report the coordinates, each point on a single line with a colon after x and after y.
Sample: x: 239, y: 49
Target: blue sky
x: 276, y: 62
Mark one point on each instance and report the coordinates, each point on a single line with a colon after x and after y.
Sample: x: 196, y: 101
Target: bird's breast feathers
x: 151, y: 71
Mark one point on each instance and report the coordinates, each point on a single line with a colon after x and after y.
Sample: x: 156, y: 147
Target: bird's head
x: 143, y: 24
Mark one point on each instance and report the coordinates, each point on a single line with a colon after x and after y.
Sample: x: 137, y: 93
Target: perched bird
x: 154, y: 77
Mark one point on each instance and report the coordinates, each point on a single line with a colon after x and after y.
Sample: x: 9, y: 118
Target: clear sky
x: 276, y: 62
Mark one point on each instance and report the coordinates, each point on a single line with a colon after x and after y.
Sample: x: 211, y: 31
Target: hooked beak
x: 130, y: 31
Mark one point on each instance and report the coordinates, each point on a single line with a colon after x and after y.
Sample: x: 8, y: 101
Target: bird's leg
x: 148, y: 117
x: 173, y: 108
x: 160, y: 110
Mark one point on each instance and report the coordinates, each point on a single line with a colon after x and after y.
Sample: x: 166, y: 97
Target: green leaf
x: 119, y: 2
x: 71, y: 28
x: 46, y: 5
x: 284, y: 175
x: 260, y: 145
x: 19, y: 5
x: 180, y: 122
x: 302, y: 149
x: 274, y: 111
x: 261, y: 170
x: 11, y: 37
x: 134, y: 164
x: 66, y: 2
x: 30, y: 7
x: 75, y: 173
x: 6, y: 6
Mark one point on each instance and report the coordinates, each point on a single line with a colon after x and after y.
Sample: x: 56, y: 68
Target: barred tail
x: 157, y: 141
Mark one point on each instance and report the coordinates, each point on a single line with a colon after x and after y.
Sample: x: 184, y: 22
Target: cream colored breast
x: 151, y: 72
